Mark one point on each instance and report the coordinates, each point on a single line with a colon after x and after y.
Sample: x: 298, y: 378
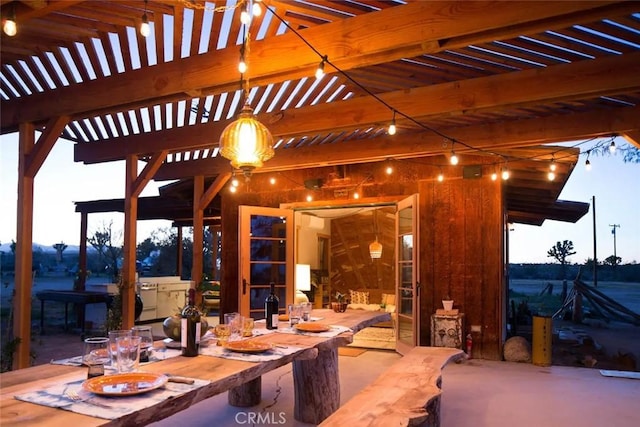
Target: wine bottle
x: 271, y: 308
x: 190, y: 327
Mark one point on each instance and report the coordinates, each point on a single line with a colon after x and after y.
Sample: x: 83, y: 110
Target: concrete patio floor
x: 475, y: 393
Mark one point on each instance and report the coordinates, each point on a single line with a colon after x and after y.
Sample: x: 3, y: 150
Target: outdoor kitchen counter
x: 315, y: 353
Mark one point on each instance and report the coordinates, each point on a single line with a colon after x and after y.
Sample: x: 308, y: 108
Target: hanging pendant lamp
x: 246, y: 142
x: 375, y: 249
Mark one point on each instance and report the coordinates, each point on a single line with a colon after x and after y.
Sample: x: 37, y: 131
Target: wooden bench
x: 406, y: 394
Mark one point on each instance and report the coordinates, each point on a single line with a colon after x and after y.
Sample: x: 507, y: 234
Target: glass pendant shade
x: 246, y: 142
x: 375, y: 249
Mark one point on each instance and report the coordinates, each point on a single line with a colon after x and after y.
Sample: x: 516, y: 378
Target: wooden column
x: 82, y: 259
x: 24, y: 239
x: 198, y: 233
x: 127, y: 288
x: 179, y: 254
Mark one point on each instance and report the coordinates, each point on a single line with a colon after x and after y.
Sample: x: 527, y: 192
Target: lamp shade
x: 375, y: 249
x: 246, y: 142
x: 303, y: 277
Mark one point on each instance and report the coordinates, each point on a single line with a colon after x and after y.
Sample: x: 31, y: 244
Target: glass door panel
x: 407, y: 275
x: 266, y: 255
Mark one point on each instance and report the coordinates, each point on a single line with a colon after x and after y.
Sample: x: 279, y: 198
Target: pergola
x: 483, y: 78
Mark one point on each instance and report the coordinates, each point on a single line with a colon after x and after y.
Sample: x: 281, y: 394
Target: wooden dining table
x: 316, y: 393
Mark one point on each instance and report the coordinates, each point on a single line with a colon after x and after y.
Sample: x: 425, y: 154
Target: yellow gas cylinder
x: 542, y: 334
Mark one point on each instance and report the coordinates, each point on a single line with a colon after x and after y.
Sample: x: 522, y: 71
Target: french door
x: 407, y: 275
x: 266, y: 255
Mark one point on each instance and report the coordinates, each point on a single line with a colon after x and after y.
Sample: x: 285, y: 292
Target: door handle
x: 244, y: 286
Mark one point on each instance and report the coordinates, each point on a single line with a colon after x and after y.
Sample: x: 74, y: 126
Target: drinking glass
x: 146, y: 344
x: 222, y: 331
x: 295, y: 314
x: 128, y: 350
x: 96, y: 355
x: 234, y: 320
x: 306, y: 311
x: 247, y: 326
x: 113, y: 335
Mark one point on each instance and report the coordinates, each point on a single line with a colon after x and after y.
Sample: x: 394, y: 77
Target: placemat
x: 335, y: 330
x: 109, y: 408
x: 275, y: 353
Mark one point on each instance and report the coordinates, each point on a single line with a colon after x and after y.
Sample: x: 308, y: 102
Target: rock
x: 517, y: 349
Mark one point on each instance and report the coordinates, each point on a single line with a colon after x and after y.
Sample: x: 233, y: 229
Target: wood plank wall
x: 461, y: 232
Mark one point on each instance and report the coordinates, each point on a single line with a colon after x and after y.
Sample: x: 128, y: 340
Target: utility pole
x: 613, y: 231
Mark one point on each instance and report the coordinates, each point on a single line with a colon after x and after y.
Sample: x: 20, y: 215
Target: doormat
x: 351, y: 352
x: 379, y: 338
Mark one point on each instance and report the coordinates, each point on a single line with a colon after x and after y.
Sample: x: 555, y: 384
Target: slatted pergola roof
x: 482, y: 77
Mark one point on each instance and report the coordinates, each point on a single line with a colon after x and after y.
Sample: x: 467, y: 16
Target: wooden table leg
x: 247, y: 394
x: 316, y: 385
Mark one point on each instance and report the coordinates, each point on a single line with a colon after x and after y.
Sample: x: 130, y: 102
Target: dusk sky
x: 60, y: 182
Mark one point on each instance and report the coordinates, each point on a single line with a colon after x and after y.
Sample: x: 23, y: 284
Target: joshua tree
x: 560, y: 252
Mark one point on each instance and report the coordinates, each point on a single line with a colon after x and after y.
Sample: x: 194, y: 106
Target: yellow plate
x: 312, y: 327
x: 248, y: 346
x: 125, y: 384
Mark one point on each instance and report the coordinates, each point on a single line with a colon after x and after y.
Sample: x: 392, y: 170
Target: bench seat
x: 406, y: 394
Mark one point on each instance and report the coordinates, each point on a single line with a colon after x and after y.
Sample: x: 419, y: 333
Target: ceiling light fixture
x: 145, y: 29
x: 246, y: 142
x: 10, y: 27
x: 392, y: 127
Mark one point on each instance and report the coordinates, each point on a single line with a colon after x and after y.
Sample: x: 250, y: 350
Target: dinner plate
x: 312, y: 327
x: 248, y: 346
x: 125, y: 384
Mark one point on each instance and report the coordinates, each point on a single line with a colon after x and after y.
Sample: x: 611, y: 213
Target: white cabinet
x: 446, y: 330
x: 172, y: 298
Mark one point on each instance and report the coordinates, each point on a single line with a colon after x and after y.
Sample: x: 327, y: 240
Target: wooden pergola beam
x: 503, y: 135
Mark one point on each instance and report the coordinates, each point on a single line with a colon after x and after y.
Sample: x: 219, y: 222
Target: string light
x: 356, y: 195
x: 552, y: 166
x: 454, y: 159
x: 309, y: 198
x: 551, y: 176
x: 232, y: 189
x: 320, y: 69
x: 440, y: 176
x: 234, y: 180
x: 242, y: 65
x: 145, y: 29
x: 612, y: 147
x: 505, y: 173
x: 494, y: 176
x: 392, y: 126
x: 272, y: 181
x: 10, y: 27
x: 257, y: 11
x: 587, y: 164
x: 389, y: 170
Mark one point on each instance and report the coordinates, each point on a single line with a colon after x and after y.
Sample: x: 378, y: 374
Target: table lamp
x: 303, y: 282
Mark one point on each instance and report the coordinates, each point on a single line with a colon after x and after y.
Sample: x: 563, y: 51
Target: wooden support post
x: 127, y: 290
x: 198, y: 235
x: 247, y: 394
x: 309, y: 376
x: 82, y: 258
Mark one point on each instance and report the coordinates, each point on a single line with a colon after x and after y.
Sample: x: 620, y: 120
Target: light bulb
x: 10, y: 28
x: 145, y: 29
x: 389, y: 170
x: 612, y: 147
x: 551, y: 176
x: 245, y: 18
x: 232, y: 189
x: 234, y: 182
x: 454, y: 159
x: 356, y: 195
x: 256, y: 9
x: 552, y: 166
x: 505, y: 174
x: 392, y: 128
x: 242, y: 66
x: 272, y: 181
x: 309, y: 198
x: 440, y: 177
x: 494, y: 176
x: 320, y: 70
x: 587, y: 165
